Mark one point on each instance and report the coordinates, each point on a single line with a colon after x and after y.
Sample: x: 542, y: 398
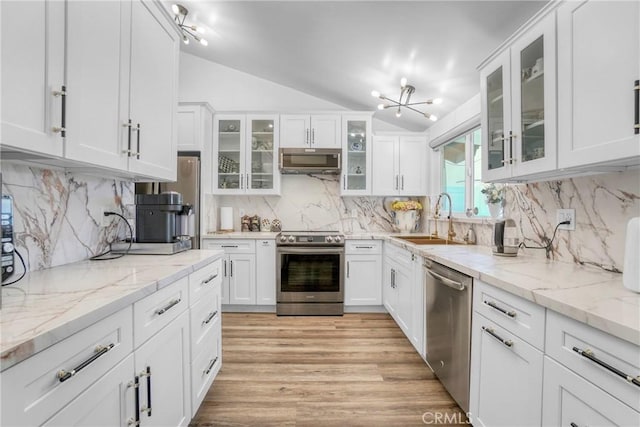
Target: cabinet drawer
x: 236, y: 246
x: 202, y: 280
x: 362, y: 247
x: 569, y: 400
x: 32, y: 390
x: 204, y: 369
x: 402, y: 257
x: 523, y: 318
x: 205, y: 316
x: 564, y: 334
x: 158, y: 310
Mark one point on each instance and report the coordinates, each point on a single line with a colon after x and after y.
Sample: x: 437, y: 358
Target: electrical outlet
x: 106, y: 220
x: 566, y: 215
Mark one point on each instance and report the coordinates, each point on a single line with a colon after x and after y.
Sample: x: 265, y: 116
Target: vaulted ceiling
x: 342, y: 50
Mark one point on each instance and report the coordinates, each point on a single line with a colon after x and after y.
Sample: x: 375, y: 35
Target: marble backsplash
x: 58, y: 215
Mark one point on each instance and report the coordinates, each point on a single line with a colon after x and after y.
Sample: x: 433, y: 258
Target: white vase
x: 495, y: 209
x: 406, y: 221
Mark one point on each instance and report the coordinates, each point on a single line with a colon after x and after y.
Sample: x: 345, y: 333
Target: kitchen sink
x: 428, y: 240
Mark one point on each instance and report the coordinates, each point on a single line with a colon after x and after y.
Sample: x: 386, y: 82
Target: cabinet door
x: 385, y: 154
x: 229, y: 154
x: 495, y: 90
x: 261, y: 172
x: 109, y: 402
x: 403, y: 280
x: 389, y: 293
x: 506, y: 377
x: 598, y: 67
x: 153, y: 92
x: 325, y: 131
x: 32, y: 68
x: 190, y: 128
x: 363, y: 283
x: 266, y: 272
x: 570, y: 400
x: 356, y: 163
x: 412, y: 166
x: 97, y: 69
x: 242, y: 279
x: 533, y: 65
x: 295, y: 130
x: 418, y: 308
x: 165, y: 393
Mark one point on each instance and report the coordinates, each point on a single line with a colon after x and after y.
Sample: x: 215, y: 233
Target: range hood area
x: 310, y: 160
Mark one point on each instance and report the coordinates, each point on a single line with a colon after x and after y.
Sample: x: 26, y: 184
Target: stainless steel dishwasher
x: 448, y: 331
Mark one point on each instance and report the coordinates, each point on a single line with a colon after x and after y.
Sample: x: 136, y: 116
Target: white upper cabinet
x: 32, y: 70
x: 356, y: 158
x: 245, y: 151
x: 518, y: 89
x: 400, y: 165
x: 598, y: 69
x: 118, y: 63
x: 310, y: 131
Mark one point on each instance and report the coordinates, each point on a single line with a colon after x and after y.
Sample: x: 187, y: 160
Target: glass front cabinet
x: 246, y: 150
x: 518, y: 89
x: 356, y: 149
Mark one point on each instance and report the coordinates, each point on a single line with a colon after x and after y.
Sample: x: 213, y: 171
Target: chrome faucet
x: 450, y: 233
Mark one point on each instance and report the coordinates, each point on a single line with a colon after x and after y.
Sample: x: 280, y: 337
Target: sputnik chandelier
x: 194, y: 31
x: 405, y: 95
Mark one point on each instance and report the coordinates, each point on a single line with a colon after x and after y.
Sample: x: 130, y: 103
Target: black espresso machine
x: 164, y: 225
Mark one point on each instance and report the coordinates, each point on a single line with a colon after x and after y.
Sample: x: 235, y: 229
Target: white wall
x: 227, y: 89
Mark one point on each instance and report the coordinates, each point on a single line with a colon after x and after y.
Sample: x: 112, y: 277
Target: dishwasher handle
x: 446, y: 281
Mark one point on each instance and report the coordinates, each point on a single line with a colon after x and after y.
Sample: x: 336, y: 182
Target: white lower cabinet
x: 266, y: 272
x: 363, y: 278
x: 109, y: 402
x: 162, y: 365
x: 506, y: 376
x: 570, y: 400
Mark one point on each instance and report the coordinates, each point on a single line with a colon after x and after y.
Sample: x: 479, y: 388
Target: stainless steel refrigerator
x: 187, y: 184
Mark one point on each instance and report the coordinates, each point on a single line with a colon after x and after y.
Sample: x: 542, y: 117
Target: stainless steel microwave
x: 310, y: 160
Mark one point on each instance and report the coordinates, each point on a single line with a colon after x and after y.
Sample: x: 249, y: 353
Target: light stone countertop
x: 241, y: 235
x: 47, y: 306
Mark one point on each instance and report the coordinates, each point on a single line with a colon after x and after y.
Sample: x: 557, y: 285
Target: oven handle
x: 330, y: 250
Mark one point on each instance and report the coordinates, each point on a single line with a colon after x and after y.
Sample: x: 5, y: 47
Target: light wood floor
x: 321, y: 371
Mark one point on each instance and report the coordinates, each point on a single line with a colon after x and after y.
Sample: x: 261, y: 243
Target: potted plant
x: 494, y: 196
x: 406, y: 214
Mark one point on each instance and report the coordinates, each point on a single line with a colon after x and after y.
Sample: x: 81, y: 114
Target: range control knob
x: 292, y: 239
x: 283, y: 238
x: 7, y: 247
x: 329, y: 239
x: 338, y: 239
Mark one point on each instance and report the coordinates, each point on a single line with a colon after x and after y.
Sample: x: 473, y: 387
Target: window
x: 462, y: 182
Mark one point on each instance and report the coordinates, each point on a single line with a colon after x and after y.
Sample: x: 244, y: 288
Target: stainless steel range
x: 309, y: 266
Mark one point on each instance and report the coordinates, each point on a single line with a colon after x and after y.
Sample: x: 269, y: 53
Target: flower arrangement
x: 493, y: 194
x: 409, y: 205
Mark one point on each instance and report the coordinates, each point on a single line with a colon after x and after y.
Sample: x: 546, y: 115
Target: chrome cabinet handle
x: 166, y: 308
x: 636, y: 103
x: 137, y: 153
x: 247, y: 181
x: 225, y: 268
x: 228, y: 246
x: 491, y: 332
x: 210, y: 367
x: 307, y: 141
x: 208, y: 319
x: 402, y: 180
x: 230, y: 268
x: 347, y: 269
x: 128, y: 125
x: 589, y: 355
x: 63, y: 375
x: 313, y: 136
x: 209, y: 279
x: 344, y: 182
x: 446, y: 281
x: 62, y: 93
x: 241, y: 181
x: 147, y: 373
x: 495, y: 306
x: 393, y: 278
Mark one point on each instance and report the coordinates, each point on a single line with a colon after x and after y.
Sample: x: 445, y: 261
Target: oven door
x: 310, y: 274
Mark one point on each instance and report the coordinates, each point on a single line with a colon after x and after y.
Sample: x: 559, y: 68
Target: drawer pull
x: 210, y: 278
x: 168, y: 306
x: 495, y: 306
x: 100, y: 350
x: 229, y: 246
x: 491, y: 332
x: 208, y: 319
x: 210, y: 367
x: 573, y: 425
x: 589, y: 355
x: 364, y: 247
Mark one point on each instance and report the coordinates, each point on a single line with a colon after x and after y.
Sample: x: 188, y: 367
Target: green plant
x: 493, y: 193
